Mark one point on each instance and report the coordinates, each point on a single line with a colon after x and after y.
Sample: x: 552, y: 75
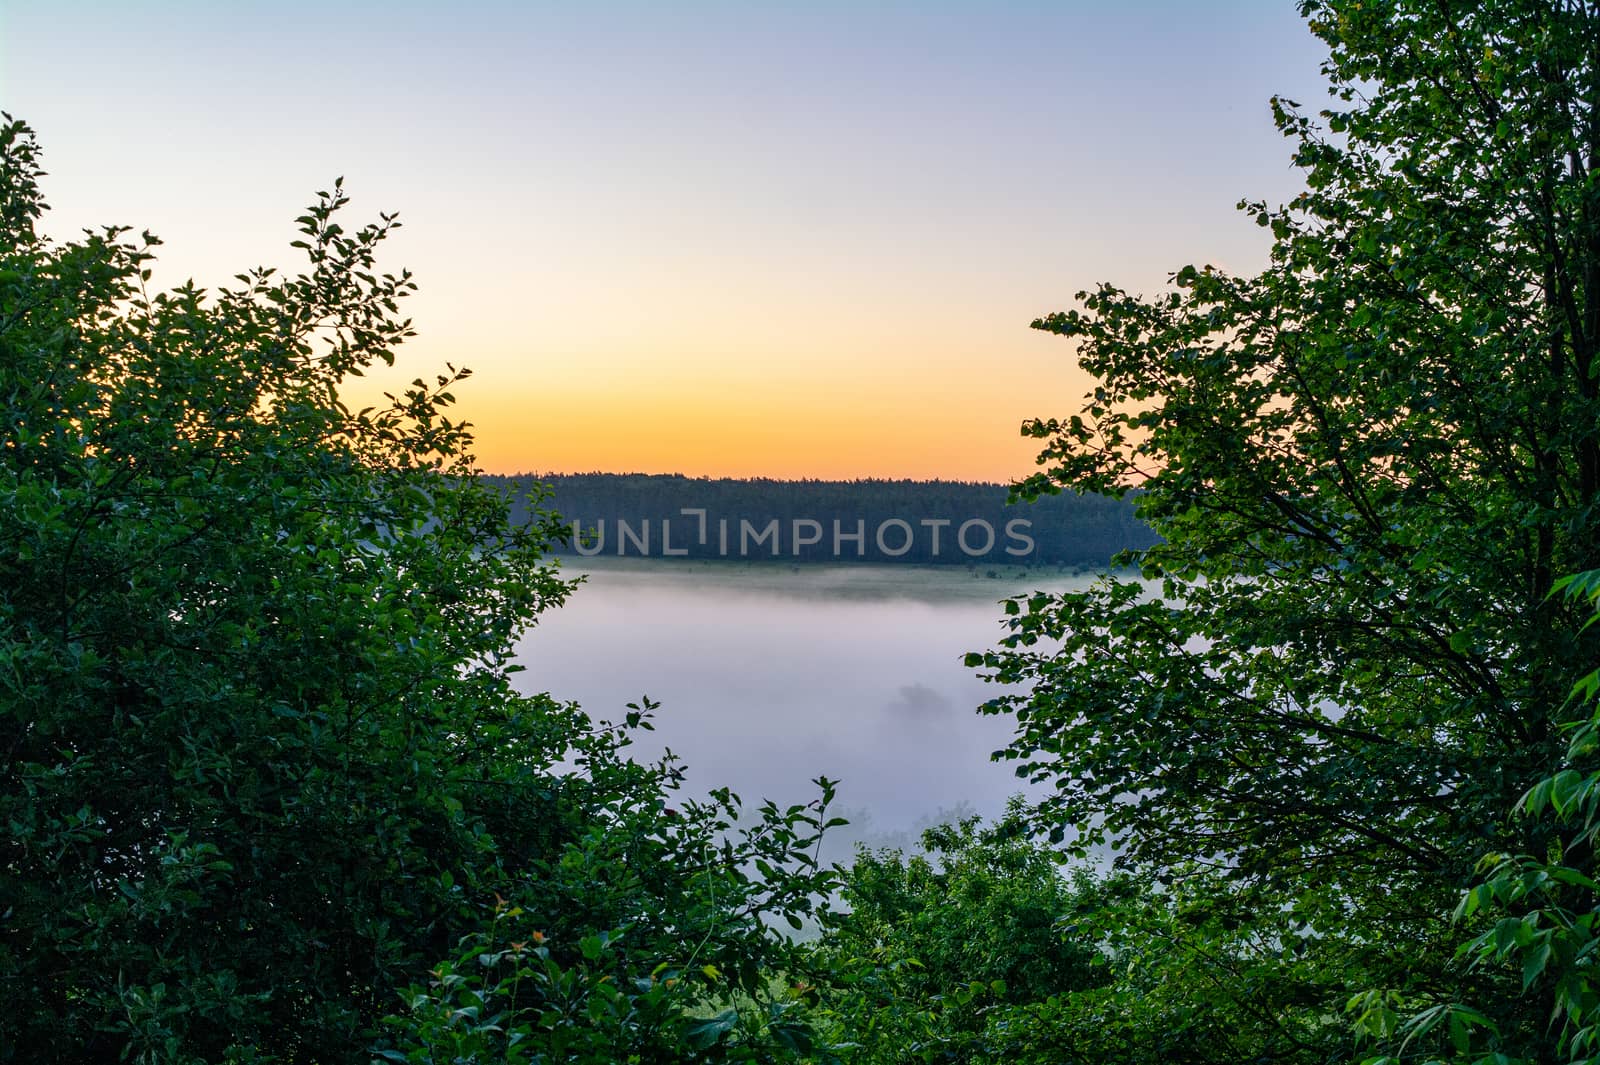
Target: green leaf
x: 703, y: 1033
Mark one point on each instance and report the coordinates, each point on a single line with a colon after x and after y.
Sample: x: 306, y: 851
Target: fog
x: 769, y: 675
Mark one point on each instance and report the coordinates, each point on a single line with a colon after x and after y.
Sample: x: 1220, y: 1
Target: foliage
x: 1547, y: 933
x: 930, y: 950
x: 986, y: 950
x: 620, y: 952
x: 1368, y: 464
x: 1196, y: 974
x: 262, y: 766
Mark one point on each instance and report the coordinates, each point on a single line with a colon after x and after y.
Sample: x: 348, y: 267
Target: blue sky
x: 708, y: 238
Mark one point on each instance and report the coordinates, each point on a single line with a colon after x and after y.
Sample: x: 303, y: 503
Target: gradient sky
x: 711, y: 238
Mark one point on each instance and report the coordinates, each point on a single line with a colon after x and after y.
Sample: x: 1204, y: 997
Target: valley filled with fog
x: 769, y: 675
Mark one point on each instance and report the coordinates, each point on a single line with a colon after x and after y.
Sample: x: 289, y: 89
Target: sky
x: 718, y: 239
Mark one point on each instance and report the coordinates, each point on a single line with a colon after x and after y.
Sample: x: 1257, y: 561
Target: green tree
x: 262, y: 767
x: 1176, y: 958
x: 1368, y: 463
x: 1545, y: 914
x: 932, y: 952
x: 985, y: 950
x: 648, y: 939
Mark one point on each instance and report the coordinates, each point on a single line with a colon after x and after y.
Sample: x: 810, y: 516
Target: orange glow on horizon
x: 934, y: 419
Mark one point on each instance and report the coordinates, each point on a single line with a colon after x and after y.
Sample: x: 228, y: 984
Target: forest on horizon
x: 930, y: 522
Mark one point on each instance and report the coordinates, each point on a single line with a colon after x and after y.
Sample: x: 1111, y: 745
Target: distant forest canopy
x: 926, y: 522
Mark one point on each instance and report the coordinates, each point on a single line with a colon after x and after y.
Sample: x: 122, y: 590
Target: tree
x: 262, y: 766
x: 985, y: 949
x: 931, y: 954
x: 1369, y: 463
x: 648, y: 939
x: 1546, y: 926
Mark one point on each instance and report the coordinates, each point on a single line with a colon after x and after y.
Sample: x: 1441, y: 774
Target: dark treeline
x: 949, y: 522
